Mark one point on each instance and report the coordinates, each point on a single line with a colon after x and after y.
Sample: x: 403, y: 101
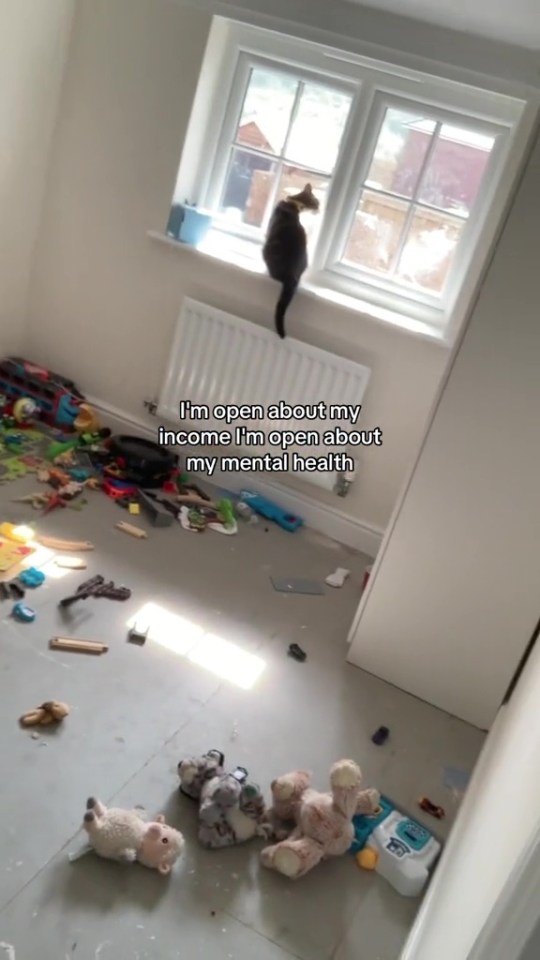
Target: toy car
x: 22, y: 612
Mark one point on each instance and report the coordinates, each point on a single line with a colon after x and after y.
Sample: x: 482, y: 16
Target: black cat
x: 285, y: 248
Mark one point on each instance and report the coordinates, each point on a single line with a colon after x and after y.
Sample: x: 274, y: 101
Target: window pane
x: 400, y: 152
x: 247, y: 187
x: 427, y: 255
x: 375, y: 235
x: 266, y: 112
x: 318, y: 127
x: 455, y: 169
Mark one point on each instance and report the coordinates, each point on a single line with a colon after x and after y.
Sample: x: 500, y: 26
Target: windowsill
x: 239, y: 253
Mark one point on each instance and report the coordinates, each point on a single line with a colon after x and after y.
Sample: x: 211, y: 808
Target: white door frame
x: 515, y: 914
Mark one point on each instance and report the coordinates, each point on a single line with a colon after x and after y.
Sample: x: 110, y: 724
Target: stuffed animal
x: 323, y: 820
x: 231, y: 809
x: 53, y: 711
x: 124, y: 835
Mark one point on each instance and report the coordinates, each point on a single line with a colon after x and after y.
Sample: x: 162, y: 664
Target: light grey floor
x: 137, y: 711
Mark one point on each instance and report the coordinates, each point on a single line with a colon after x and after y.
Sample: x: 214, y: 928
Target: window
x: 411, y: 170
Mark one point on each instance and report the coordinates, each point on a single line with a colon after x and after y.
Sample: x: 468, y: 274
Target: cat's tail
x: 288, y: 291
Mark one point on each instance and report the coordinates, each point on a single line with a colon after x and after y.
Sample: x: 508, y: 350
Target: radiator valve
x: 151, y: 406
x: 344, y: 482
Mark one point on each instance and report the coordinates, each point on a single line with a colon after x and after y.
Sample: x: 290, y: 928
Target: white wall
x: 491, y: 836
x: 454, y: 598
x: 34, y: 37
x: 105, y: 297
x: 359, y: 26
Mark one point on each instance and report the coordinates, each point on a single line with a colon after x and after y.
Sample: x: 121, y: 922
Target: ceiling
x: 513, y: 21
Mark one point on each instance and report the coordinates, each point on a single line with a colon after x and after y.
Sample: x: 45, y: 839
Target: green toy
x: 226, y: 512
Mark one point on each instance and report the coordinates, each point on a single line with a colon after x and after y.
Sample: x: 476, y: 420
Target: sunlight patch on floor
x: 221, y: 657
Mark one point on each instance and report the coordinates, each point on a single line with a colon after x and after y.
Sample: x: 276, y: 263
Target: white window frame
x: 374, y: 87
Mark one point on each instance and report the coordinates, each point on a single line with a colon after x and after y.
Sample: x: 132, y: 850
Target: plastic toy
x: 53, y: 711
x: 158, y: 510
x: 56, y: 398
x: 23, y: 613
x: 231, y: 809
x: 24, y: 409
x: 432, y: 808
x: 118, y: 834
x: 380, y: 736
x: 96, y: 587
x: 271, y: 511
x: 396, y: 847
x: 32, y: 577
x: 323, y: 821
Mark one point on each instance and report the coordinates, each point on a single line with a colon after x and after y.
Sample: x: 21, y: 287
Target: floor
x: 137, y: 710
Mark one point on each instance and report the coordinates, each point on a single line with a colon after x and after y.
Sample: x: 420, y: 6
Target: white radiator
x: 219, y: 359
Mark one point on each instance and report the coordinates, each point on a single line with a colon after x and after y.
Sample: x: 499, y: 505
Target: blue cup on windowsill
x: 188, y: 224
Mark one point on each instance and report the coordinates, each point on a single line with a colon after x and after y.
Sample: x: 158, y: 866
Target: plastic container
x: 188, y: 224
x: 406, y: 852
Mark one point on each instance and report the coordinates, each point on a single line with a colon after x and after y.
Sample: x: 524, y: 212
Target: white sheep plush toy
x: 118, y: 834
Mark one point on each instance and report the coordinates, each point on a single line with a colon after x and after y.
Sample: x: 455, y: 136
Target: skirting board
x: 325, y: 519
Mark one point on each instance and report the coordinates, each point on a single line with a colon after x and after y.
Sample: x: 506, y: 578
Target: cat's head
x: 305, y: 200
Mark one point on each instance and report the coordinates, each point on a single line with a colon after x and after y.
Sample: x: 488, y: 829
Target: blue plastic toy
x: 402, y: 850
x: 22, y: 612
x: 31, y: 577
x: 271, y: 511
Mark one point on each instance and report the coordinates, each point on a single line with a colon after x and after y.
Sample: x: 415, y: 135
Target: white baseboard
x: 331, y: 521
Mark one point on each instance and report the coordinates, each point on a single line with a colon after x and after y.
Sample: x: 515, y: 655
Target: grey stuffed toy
x: 231, y: 809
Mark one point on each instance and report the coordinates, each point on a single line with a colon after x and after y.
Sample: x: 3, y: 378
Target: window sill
x: 236, y: 254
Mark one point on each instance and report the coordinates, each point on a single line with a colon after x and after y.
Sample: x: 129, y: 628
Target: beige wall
x: 34, y: 40
x: 105, y: 297
x: 454, y: 601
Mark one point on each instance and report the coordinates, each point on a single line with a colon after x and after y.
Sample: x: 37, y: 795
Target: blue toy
x: 271, y: 511
x: 400, y: 849
x: 22, y: 612
x: 32, y: 577
x: 13, y: 440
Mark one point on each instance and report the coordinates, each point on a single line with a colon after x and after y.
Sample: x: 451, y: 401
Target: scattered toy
x: 231, y: 808
x: 297, y: 653
x: 36, y: 500
x: 96, y: 587
x: 54, y: 543
x: 23, y: 613
x: 160, y: 512
x: 14, y: 532
x: 338, y: 577
x: 11, y: 590
x: 398, y: 848
x: 134, y: 508
x: 78, y: 646
x: 123, y: 835
x: 131, y: 529
x: 297, y: 585
x: 53, y: 711
x: 428, y: 807
x: 32, y: 578
x: 138, y: 634
x: 70, y: 563
x: 380, y: 736
x: 271, y: 511
x: 324, y: 826
x: 367, y: 574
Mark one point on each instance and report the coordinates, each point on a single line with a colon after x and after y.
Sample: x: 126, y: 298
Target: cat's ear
x: 308, y: 188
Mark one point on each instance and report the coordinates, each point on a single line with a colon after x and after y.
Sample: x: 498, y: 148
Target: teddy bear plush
x: 53, y: 711
x: 124, y: 835
x: 231, y: 808
x: 322, y: 821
